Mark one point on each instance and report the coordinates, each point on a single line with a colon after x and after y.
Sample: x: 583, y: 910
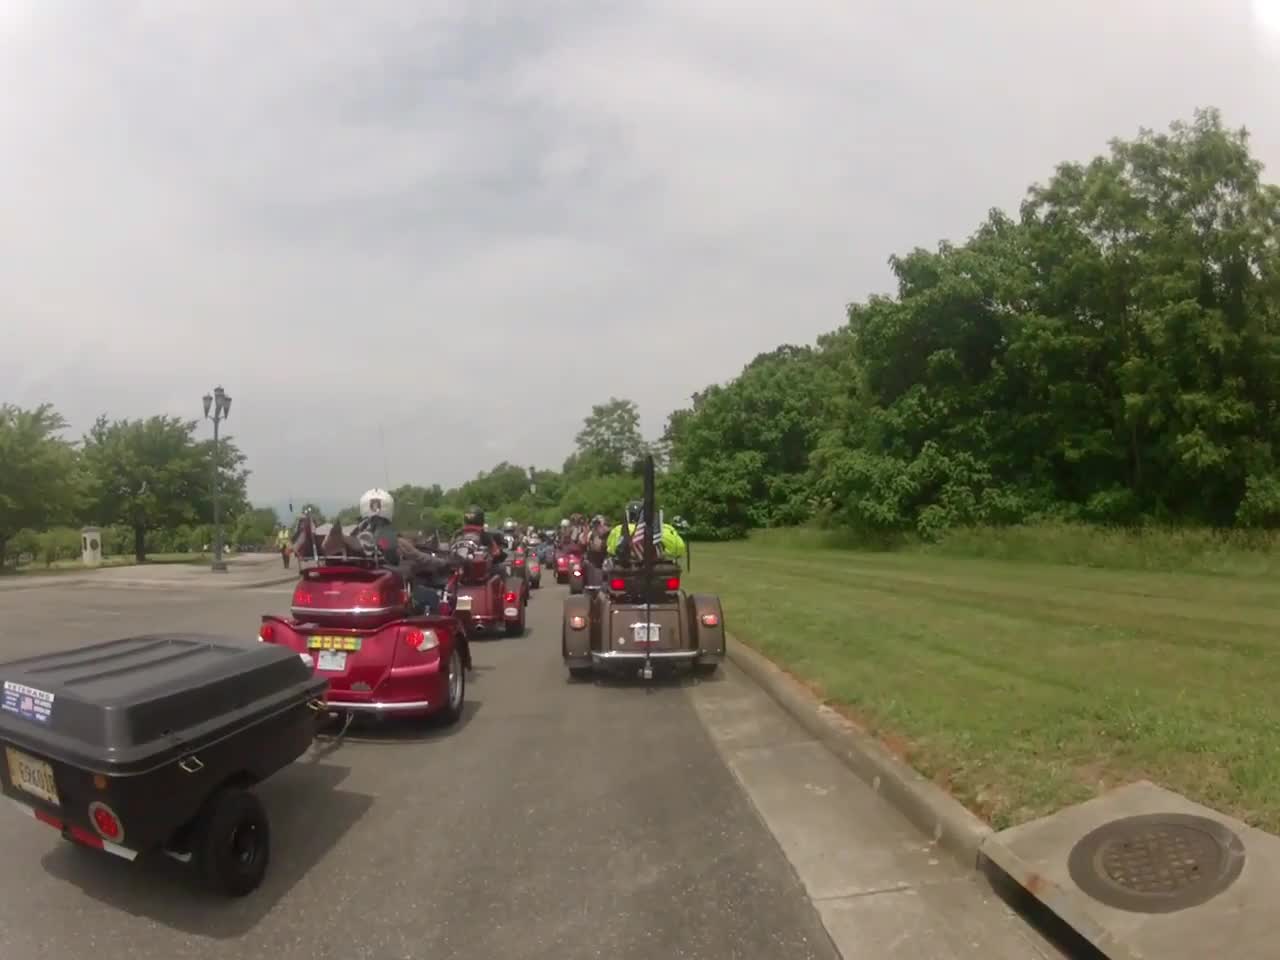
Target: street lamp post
x: 220, y: 405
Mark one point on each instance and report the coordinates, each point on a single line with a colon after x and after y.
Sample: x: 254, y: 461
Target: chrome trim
x: 652, y: 655
x: 340, y: 706
x: 345, y: 611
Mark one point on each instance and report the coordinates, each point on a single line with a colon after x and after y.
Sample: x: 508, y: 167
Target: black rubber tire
x: 225, y: 869
x: 452, y: 713
x: 517, y: 628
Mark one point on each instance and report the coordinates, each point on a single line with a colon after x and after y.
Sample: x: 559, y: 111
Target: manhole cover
x: 1157, y: 863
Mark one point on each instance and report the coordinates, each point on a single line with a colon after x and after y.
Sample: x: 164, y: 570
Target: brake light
x: 266, y: 633
x: 302, y: 596
x: 519, y: 561
x: 367, y: 598
x: 710, y: 620
x: 673, y: 583
x: 508, y: 597
x: 106, y: 822
x: 617, y: 583
x: 577, y: 622
x: 421, y: 640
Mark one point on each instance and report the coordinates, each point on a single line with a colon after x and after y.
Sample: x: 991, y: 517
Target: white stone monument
x: 91, y: 546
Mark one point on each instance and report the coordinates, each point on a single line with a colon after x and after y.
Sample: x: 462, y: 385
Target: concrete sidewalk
x: 883, y: 891
x: 243, y: 571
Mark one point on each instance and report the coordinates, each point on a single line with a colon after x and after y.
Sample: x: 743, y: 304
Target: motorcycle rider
x: 671, y: 545
x: 511, y: 533
x: 377, y: 511
x: 474, y: 528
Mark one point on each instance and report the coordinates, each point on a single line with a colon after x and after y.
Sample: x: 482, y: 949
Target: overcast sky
x: 468, y: 221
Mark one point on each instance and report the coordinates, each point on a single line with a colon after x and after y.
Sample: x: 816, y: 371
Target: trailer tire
x: 233, y: 843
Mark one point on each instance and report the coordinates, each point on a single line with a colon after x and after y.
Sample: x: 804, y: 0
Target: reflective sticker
x: 27, y: 702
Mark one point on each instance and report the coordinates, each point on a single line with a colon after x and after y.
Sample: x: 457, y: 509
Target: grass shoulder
x: 1024, y: 685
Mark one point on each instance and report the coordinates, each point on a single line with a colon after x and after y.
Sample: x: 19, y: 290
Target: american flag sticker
x: 27, y: 702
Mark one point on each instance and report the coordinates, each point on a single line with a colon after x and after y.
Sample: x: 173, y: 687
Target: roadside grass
x: 76, y: 566
x: 1024, y: 687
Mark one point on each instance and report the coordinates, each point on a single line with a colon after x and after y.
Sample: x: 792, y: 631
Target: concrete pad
x: 941, y: 921
x: 882, y: 889
x: 1241, y: 922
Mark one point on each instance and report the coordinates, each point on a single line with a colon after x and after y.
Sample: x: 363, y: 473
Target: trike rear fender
x: 576, y: 641
x: 706, y: 618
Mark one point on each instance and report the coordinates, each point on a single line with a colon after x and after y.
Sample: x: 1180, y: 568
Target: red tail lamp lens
x: 421, y: 640
x: 508, y: 598
x: 266, y: 633
x: 105, y: 821
x: 519, y: 561
x: 577, y: 622
x: 710, y: 620
x: 302, y: 597
x: 673, y: 583
x: 617, y: 583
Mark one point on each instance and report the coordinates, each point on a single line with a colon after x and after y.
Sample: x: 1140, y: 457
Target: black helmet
x: 635, y: 512
x: 474, y: 517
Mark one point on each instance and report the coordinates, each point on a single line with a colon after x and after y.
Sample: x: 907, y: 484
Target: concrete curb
x: 1069, y: 906
x: 930, y: 808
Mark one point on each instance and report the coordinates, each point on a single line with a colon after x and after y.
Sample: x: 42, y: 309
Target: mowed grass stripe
x: 1025, y: 687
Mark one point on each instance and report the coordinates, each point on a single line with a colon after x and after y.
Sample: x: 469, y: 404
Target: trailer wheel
x: 233, y: 843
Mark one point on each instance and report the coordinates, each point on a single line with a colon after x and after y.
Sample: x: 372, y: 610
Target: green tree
x: 609, y: 441
x: 152, y: 474
x: 40, y: 484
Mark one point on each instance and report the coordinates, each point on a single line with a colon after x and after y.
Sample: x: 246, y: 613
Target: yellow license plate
x: 32, y: 775
x: 349, y: 644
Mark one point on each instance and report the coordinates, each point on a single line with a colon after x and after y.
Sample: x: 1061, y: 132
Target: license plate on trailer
x: 646, y: 632
x: 464, y: 603
x: 32, y: 775
x: 331, y: 660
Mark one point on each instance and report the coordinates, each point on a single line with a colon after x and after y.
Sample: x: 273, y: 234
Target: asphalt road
x: 555, y: 821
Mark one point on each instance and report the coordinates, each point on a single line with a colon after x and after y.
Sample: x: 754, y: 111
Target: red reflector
x: 105, y: 822
x: 673, y: 583
x: 267, y: 632
x: 48, y: 818
x: 367, y: 598
x: 509, y: 598
x: 414, y: 638
x: 710, y: 620
x: 85, y: 837
x: 301, y: 597
x: 617, y: 584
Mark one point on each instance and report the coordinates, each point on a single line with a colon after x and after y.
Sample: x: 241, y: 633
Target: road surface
x: 555, y: 821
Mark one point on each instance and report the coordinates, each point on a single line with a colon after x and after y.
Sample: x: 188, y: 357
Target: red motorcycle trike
x: 490, y: 593
x: 354, y: 620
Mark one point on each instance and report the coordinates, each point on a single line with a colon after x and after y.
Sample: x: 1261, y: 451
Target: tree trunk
x: 140, y: 544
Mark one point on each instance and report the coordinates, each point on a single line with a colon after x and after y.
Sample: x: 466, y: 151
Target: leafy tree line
x: 147, y: 481
x: 1108, y: 355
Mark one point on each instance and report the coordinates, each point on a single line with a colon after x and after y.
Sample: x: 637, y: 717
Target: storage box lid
x: 116, y: 704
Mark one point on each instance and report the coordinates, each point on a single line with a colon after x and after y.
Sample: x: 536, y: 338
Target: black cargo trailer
x: 153, y: 742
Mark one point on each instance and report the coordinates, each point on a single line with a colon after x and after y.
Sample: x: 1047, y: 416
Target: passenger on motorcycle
x: 670, y: 545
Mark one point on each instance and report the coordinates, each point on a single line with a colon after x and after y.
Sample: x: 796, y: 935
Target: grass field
x: 1026, y: 686
x: 77, y: 566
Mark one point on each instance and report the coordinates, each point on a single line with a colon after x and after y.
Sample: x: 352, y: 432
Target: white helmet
x: 377, y: 503
x: 564, y: 523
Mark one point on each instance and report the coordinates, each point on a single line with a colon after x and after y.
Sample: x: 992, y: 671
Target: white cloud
x: 440, y: 215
